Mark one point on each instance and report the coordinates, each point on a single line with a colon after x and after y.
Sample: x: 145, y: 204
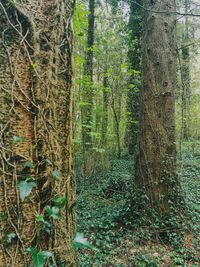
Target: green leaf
x: 39, y: 257
x: 56, y: 174
x: 18, y: 139
x: 34, y: 65
x: 25, y: 188
x: 3, y: 216
x: 28, y: 164
x: 81, y: 242
x: 39, y: 218
x: 53, y: 212
x: 10, y: 237
x: 60, y: 201
x: 83, y: 104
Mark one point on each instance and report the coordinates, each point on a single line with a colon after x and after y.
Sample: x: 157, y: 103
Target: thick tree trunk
x: 156, y: 162
x: 134, y: 57
x: 88, y: 94
x: 35, y: 120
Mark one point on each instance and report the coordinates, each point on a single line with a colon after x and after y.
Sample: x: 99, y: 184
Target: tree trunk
x: 35, y: 120
x: 156, y: 161
x: 88, y: 94
x: 186, y: 76
x: 105, y: 110
x: 134, y: 57
x: 116, y: 122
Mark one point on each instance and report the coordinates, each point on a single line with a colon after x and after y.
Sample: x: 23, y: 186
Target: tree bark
x: 35, y: 120
x: 156, y: 178
x: 186, y: 76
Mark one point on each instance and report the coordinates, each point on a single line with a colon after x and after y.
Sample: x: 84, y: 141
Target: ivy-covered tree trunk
x: 134, y: 58
x: 156, y: 179
x: 186, y: 75
x: 37, y: 192
x: 87, y: 90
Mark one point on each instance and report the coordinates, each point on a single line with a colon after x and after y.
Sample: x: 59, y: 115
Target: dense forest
x: 99, y: 133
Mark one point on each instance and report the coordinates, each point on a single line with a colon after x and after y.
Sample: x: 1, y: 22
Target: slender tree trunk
x: 134, y: 57
x: 105, y: 110
x: 116, y: 120
x: 186, y: 76
x: 156, y: 161
x: 35, y: 120
x: 88, y: 93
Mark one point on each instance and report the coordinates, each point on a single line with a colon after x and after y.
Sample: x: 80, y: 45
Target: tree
x: 134, y: 58
x: 156, y: 178
x: 104, y: 128
x: 37, y: 192
x: 88, y: 94
x: 186, y: 75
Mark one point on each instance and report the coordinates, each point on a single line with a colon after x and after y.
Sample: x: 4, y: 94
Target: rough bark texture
x: 35, y: 91
x: 134, y: 57
x: 87, y: 93
x: 156, y: 160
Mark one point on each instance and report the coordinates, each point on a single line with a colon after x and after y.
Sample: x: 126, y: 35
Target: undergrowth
x: 103, y: 208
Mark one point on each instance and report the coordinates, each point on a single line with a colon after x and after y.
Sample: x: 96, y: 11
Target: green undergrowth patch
x: 102, y: 215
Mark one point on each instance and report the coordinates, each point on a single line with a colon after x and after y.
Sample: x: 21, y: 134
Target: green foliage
x: 81, y: 242
x: 39, y: 257
x: 53, y: 212
x: 18, y: 139
x: 9, y: 237
x: 28, y: 164
x: 25, y: 188
x: 104, y: 215
x: 56, y: 174
x: 60, y: 201
x: 39, y: 218
x: 145, y: 261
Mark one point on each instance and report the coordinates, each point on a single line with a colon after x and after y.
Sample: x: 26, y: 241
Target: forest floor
x: 102, y: 205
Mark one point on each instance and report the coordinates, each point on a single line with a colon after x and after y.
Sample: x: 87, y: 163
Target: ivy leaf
x: 54, y: 212
x: 10, y: 237
x: 56, y: 174
x: 60, y: 201
x: 28, y: 164
x: 81, y: 242
x: 25, y: 189
x: 39, y: 257
x: 39, y: 218
x: 18, y: 139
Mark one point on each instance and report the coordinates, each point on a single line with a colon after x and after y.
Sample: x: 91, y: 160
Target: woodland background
x: 99, y: 133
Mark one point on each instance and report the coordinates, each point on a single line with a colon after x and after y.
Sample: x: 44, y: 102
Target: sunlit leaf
x: 53, y: 212
x: 39, y: 257
x: 25, y: 189
x: 81, y: 242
